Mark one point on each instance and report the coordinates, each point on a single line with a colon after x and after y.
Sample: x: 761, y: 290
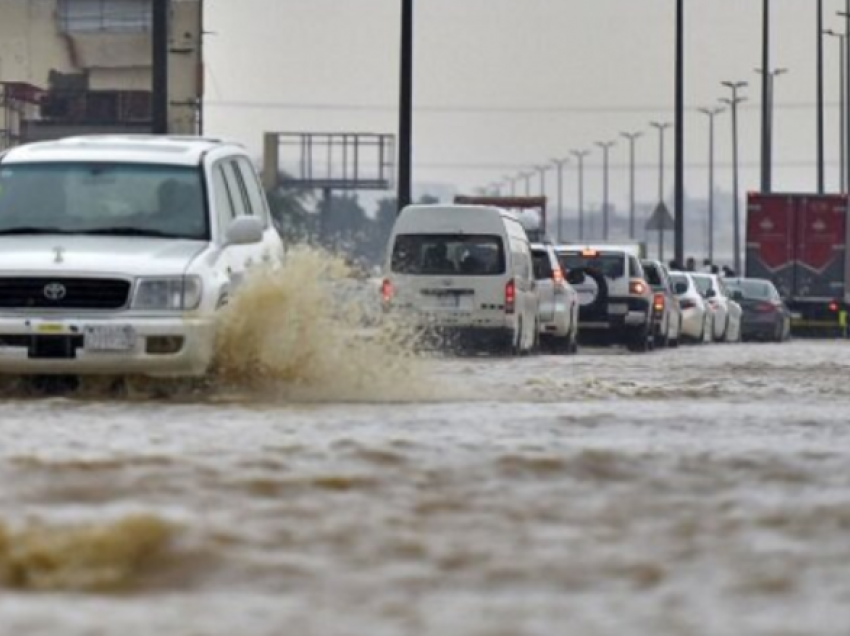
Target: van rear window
x: 612, y: 266
x: 448, y: 255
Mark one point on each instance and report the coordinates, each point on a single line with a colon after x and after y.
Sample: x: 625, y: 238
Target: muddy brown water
x: 699, y: 491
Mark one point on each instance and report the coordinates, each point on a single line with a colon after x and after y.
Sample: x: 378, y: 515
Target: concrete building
x: 72, y: 67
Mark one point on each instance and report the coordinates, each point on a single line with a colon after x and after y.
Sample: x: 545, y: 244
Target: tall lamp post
x: 736, y: 215
x: 580, y: 155
x: 632, y: 137
x: 527, y: 176
x: 821, y: 177
x: 711, y: 113
x: 846, y: 15
x: 660, y: 127
x: 606, y: 147
x: 405, y: 127
x: 679, y: 175
x: 842, y: 117
x: 767, y: 148
x: 541, y: 170
x: 511, y: 181
x: 559, y: 166
x: 765, y: 100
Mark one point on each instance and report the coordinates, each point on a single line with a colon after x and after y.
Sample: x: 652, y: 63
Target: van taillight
x: 658, y: 302
x: 558, y: 275
x: 510, y: 297
x: 387, y: 291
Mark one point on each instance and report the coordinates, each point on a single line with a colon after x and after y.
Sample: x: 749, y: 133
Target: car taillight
x: 687, y: 303
x: 658, y: 302
x: 765, y: 307
x: 558, y: 275
x: 510, y: 297
x: 637, y: 287
x: 387, y: 291
x: 833, y: 306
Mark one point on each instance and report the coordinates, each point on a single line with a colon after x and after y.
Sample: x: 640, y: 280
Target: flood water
x: 698, y: 491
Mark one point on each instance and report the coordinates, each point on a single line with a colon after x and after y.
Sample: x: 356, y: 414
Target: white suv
x: 615, y: 300
x: 116, y: 252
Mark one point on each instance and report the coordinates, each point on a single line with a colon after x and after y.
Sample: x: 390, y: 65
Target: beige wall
x: 31, y: 45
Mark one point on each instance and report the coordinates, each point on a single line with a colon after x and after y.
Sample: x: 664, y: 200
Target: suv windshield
x: 120, y: 199
x: 611, y: 266
x: 448, y: 254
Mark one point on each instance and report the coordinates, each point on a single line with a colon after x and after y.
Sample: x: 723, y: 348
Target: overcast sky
x: 501, y: 85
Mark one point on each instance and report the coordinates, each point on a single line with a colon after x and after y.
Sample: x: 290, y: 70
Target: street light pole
x: 405, y: 128
x: 767, y: 157
x: 765, y: 97
x: 733, y: 103
x: 660, y: 127
x: 842, y: 117
x: 846, y: 15
x: 606, y: 146
x: 821, y: 177
x: 511, y: 181
x: 632, y: 137
x: 580, y: 155
x: 527, y: 176
x: 711, y: 113
x: 559, y: 165
x: 679, y: 175
x: 541, y: 170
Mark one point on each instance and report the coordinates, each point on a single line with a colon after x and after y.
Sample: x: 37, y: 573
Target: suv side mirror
x: 737, y: 295
x: 575, y: 277
x: 244, y: 230
x: 680, y: 288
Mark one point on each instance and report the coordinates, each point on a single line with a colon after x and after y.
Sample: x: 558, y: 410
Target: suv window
x: 448, y: 254
x: 611, y: 265
x: 235, y: 188
x: 255, y: 197
x: 542, y: 264
x: 653, y: 276
x: 635, y: 268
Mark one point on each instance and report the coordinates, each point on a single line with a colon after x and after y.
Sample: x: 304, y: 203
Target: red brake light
x: 510, y: 297
x: 833, y: 306
x: 387, y: 291
x: 637, y: 287
x: 765, y: 307
x: 658, y: 302
x: 558, y: 275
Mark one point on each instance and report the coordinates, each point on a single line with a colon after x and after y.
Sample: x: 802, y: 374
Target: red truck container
x: 799, y: 241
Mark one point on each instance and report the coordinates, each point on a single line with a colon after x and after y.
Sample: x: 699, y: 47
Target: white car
x: 697, y: 317
x: 117, y: 251
x: 558, y: 310
x: 727, y: 313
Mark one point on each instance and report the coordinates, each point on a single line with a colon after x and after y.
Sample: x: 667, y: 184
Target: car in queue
x: 462, y: 275
x: 765, y: 317
x: 697, y: 316
x: 725, y: 311
x: 558, y: 308
x: 116, y: 252
x: 615, y: 301
x: 665, y: 304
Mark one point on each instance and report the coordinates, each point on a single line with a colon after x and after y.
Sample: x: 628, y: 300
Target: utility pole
x: 632, y: 137
x: 733, y: 103
x: 160, y: 23
x: 580, y: 155
x: 842, y: 117
x: 405, y: 127
x: 821, y: 178
x: 846, y: 15
x: 559, y: 165
x: 765, y: 97
x: 711, y: 113
x: 606, y: 146
x: 660, y: 127
x: 679, y: 218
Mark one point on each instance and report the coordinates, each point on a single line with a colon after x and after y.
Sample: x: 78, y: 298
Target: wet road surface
x: 698, y: 491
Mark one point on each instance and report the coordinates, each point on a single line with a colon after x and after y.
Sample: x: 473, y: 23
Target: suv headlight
x: 177, y: 293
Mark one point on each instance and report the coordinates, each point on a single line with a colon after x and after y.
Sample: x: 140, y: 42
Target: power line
x: 481, y: 109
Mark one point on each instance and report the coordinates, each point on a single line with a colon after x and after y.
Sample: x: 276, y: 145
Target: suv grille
x: 63, y: 293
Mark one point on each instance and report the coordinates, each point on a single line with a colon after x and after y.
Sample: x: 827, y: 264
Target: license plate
x: 449, y: 301
x: 109, y: 338
x: 50, y: 328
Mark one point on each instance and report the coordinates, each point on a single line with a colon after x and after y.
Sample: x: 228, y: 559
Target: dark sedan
x: 765, y: 316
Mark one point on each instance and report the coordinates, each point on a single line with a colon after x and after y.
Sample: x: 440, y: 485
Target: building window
x: 107, y: 16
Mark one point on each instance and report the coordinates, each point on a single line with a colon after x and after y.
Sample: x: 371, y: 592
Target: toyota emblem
x: 55, y: 291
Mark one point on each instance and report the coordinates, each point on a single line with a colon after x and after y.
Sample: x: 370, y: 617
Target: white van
x: 465, y: 273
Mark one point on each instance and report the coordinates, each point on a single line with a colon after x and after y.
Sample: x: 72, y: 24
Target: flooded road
x: 699, y: 491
